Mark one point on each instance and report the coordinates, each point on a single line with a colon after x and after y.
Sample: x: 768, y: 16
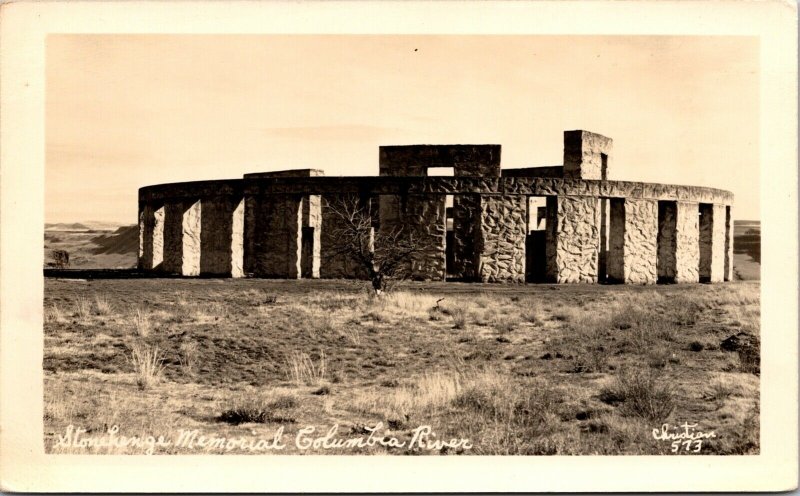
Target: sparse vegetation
x: 516, y: 369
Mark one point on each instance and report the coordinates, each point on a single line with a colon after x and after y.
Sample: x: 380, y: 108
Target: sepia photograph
x: 269, y: 256
x: 368, y: 244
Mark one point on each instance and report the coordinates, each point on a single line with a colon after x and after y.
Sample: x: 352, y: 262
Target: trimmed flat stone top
x: 382, y: 185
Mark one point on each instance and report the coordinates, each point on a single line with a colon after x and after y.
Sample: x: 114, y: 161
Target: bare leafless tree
x: 385, y: 254
x: 60, y: 258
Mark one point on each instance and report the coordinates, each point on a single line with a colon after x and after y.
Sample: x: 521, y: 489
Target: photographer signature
x: 684, y: 436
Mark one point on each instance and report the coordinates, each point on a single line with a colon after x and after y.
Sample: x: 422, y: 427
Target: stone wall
x: 667, y: 218
x: 687, y: 246
x: 335, y: 261
x: 501, y: 240
x: 146, y: 226
x: 633, y: 247
x: 237, y: 240
x: 551, y: 239
x: 414, y: 160
x: 424, y: 221
x: 173, y: 238
x: 250, y: 209
x: 583, y: 152
x: 312, y: 227
x: 706, y: 226
x: 191, y: 239
x: 158, y: 238
x: 218, y: 237
x: 277, y: 243
x: 577, y: 239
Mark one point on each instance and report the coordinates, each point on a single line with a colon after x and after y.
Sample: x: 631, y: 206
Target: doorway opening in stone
x: 536, y: 240
x: 603, y: 166
x: 307, y: 253
x: 602, y: 255
x: 449, y: 242
x: 706, y: 224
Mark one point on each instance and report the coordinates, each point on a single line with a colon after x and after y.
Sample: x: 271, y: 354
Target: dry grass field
x: 515, y: 370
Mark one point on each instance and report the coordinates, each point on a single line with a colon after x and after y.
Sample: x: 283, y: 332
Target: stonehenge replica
x: 475, y: 221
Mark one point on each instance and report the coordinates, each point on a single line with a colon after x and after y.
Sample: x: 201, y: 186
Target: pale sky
x: 126, y: 111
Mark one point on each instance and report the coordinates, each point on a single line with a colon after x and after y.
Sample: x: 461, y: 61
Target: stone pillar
x: 425, y: 222
x: 191, y: 239
x: 687, y: 242
x: 173, y: 237
x: 666, y: 241
x: 551, y: 237
x: 277, y: 237
x: 718, y: 246
x: 146, y: 226
x: 158, y: 239
x: 466, y: 219
x: 728, y: 243
x: 312, y: 218
x: 501, y: 238
x: 221, y: 240
x: 633, y: 247
x: 586, y: 155
x: 577, y: 239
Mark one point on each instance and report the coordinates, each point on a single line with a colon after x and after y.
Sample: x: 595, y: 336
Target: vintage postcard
x: 520, y: 240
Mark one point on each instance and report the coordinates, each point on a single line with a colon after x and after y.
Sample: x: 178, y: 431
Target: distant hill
x: 747, y: 249
x: 93, y: 245
x: 124, y: 240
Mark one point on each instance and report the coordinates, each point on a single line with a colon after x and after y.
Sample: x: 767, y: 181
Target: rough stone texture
x: 718, y: 251
x: 173, y: 238
x: 424, y: 220
x: 146, y: 221
x: 466, y: 219
x: 577, y: 239
x: 466, y: 160
x: 312, y: 223
x: 277, y: 237
x: 728, y: 243
x: 551, y: 239
x: 158, y: 238
x: 687, y: 246
x: 501, y: 241
x: 583, y: 153
x: 334, y: 263
x: 633, y: 246
x: 217, y: 235
x: 667, y: 218
x: 192, y: 225
x: 237, y: 240
x: 602, y: 257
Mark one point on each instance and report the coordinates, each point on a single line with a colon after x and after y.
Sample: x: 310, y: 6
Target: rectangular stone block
x: 237, y: 240
x: 551, y: 239
x: 146, y: 225
x: 577, y: 239
x: 192, y: 227
x: 633, y: 247
x: 425, y: 223
x: 173, y: 238
x: 666, y: 241
x: 222, y: 233
x: 158, y: 238
x: 415, y: 160
x: 728, y: 243
x: 250, y: 204
x: 501, y: 240
x: 687, y: 242
x: 312, y: 219
x: 586, y: 155
x: 277, y: 238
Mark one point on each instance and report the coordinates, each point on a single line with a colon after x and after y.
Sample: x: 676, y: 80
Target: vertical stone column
x: 718, y: 248
x: 250, y: 229
x: 312, y: 215
x: 191, y: 239
x: 158, y: 239
x: 687, y: 242
x: 277, y: 236
x: 222, y: 236
x: 577, y: 239
x: 633, y: 248
x: 728, y: 243
x: 173, y: 237
x: 335, y: 260
x: 551, y: 238
x: 425, y: 222
x: 666, y: 241
x: 146, y: 225
x: 501, y: 240
x: 602, y: 258
x: 466, y: 219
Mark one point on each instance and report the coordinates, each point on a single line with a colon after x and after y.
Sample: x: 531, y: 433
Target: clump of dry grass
x: 188, y: 354
x: 641, y: 393
x: 415, y: 398
x: 54, y: 315
x: 141, y: 321
x: 303, y: 370
x: 83, y: 308
x: 148, y: 365
x: 102, y: 305
x: 261, y: 410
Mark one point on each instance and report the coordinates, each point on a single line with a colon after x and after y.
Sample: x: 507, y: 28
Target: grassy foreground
x: 250, y: 366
